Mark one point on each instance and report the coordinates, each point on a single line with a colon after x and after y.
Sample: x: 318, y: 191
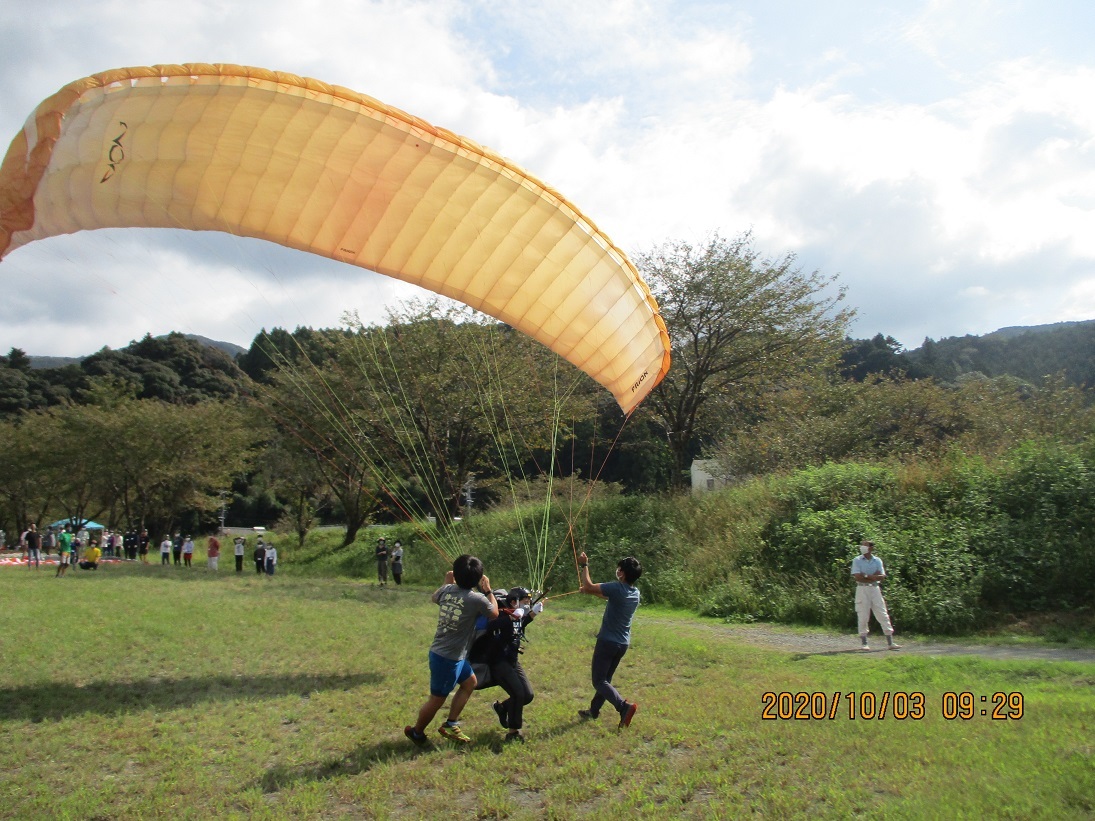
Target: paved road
x: 822, y: 643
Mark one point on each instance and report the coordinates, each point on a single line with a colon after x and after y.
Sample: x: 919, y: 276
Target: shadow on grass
x: 365, y: 757
x: 853, y: 651
x: 355, y: 762
x: 53, y: 701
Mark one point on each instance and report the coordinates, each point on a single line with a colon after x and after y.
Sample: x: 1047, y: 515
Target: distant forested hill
x: 186, y: 368
x: 1029, y: 354
x: 174, y: 368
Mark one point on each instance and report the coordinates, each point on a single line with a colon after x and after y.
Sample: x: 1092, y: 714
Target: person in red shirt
x: 213, y: 553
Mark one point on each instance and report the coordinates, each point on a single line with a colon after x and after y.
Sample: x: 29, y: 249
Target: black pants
x: 178, y: 555
x: 239, y: 564
x: 606, y: 658
x: 165, y: 558
x: 397, y: 575
x: 512, y: 679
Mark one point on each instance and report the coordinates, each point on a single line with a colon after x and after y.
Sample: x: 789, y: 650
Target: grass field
x: 136, y: 692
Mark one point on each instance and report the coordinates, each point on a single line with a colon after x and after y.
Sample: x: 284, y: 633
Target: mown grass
x: 139, y: 692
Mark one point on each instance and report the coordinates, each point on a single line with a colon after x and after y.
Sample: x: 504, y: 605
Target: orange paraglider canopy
x: 324, y: 169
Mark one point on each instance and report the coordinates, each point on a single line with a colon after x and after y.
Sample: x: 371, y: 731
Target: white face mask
x: 864, y: 549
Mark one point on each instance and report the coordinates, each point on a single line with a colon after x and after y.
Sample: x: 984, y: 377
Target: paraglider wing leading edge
x: 326, y: 170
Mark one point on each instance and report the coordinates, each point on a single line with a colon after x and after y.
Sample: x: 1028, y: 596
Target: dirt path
x: 813, y: 642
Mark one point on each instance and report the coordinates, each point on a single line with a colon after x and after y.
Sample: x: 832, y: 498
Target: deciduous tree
x: 739, y: 323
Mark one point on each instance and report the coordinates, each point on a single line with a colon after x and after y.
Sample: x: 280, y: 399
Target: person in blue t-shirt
x: 615, y: 635
x: 868, y: 572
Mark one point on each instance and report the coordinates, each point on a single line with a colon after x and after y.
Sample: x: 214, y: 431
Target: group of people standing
x: 130, y: 545
x: 80, y: 549
x: 384, y: 558
x: 181, y: 548
x: 72, y: 548
x: 265, y: 556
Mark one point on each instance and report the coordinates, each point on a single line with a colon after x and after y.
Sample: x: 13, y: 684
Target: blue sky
x: 939, y: 157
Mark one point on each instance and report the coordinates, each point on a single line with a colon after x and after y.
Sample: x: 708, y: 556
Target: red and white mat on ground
x: 17, y: 560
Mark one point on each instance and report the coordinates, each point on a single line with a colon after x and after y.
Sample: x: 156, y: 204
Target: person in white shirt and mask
x: 868, y: 572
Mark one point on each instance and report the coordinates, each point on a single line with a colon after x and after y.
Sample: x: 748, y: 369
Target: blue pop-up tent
x: 90, y: 525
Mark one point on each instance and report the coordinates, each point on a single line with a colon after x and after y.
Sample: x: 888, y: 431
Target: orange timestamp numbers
x: 817, y: 706
x: 899, y: 706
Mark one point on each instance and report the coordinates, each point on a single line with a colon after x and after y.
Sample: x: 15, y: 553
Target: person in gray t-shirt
x: 460, y: 605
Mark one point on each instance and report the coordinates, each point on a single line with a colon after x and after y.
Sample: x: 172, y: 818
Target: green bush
x: 962, y: 538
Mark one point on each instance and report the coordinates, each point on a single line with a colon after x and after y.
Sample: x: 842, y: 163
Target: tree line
x: 294, y: 431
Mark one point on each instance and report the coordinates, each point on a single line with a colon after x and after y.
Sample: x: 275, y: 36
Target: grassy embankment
x: 146, y: 691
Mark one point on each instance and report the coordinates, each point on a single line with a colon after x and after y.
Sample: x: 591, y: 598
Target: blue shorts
x: 445, y: 674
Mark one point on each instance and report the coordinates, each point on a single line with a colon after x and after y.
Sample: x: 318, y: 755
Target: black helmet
x: 518, y: 594
x: 500, y: 594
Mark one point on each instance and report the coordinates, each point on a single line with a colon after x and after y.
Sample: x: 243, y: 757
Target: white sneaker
x: 865, y: 647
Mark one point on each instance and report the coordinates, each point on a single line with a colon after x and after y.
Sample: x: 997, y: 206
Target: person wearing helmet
x: 498, y: 650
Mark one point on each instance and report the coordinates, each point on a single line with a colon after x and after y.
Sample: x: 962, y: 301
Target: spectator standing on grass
x: 33, y: 542
x: 382, y: 561
x: 240, y: 546
x: 868, y: 572
x: 614, y: 637
x: 188, y: 551
x: 144, y: 544
x: 212, y: 553
x: 260, y: 556
x: 397, y: 562
x: 165, y: 550
x: 461, y: 604
x: 271, y: 558
x: 49, y: 541
x: 176, y: 548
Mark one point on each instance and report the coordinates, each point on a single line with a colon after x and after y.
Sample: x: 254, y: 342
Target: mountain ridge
x: 39, y: 362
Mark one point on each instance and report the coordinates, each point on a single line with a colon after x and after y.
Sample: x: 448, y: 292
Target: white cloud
x: 940, y: 198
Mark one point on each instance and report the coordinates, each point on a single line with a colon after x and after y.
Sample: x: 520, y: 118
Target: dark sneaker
x: 415, y: 736
x: 628, y: 714
x: 515, y: 735
x: 586, y: 715
x: 454, y: 733
x: 500, y: 711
